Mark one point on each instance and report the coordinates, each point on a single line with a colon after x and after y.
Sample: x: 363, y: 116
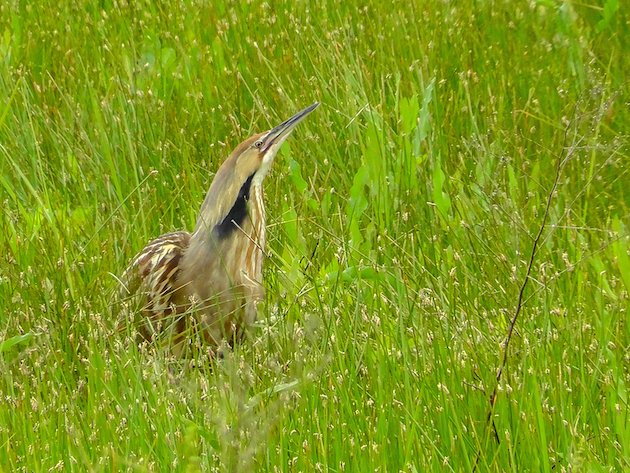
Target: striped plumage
x: 209, y: 282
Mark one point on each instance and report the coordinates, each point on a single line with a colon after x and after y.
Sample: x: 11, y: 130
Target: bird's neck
x: 257, y: 214
x: 245, y: 217
x: 219, y: 263
x: 237, y: 215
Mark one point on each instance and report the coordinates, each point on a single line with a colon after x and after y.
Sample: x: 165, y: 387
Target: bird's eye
x: 258, y: 143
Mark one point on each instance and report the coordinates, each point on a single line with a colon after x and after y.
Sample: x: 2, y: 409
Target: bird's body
x: 209, y: 282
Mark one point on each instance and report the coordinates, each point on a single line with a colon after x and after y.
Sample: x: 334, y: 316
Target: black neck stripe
x: 237, y: 213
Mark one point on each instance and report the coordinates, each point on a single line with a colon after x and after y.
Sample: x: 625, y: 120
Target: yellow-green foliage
x: 401, y: 219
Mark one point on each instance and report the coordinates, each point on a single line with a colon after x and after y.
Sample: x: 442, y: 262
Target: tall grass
x: 402, y: 216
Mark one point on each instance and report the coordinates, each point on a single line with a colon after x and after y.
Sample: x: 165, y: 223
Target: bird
x: 205, y: 286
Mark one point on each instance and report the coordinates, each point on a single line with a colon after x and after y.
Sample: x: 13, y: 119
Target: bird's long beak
x: 280, y: 133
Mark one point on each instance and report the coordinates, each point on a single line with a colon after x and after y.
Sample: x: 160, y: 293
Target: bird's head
x: 254, y: 156
x: 245, y: 168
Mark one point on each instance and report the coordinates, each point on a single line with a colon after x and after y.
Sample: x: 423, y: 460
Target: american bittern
x: 209, y: 282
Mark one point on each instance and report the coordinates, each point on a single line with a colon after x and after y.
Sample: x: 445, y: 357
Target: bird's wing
x: 154, y: 270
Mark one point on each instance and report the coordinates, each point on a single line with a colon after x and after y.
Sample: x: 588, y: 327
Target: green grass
x: 401, y: 219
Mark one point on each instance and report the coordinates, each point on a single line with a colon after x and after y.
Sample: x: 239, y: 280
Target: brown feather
x: 150, y: 281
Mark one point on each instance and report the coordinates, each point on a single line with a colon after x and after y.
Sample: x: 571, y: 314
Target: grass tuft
x: 402, y: 216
